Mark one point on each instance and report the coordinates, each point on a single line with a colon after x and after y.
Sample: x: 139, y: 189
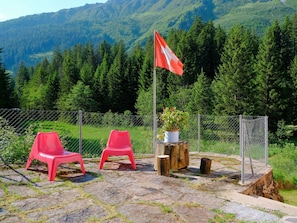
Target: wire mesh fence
x: 254, y: 144
x: 83, y: 132
x: 87, y: 132
x: 219, y: 134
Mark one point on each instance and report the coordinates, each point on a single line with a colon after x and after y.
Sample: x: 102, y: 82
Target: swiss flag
x: 165, y: 58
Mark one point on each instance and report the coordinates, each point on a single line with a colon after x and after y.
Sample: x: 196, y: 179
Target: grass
x: 221, y: 217
x: 95, y: 137
x: 289, y: 195
x: 283, y: 161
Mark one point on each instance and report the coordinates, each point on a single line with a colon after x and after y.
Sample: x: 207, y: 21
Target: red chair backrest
x: 49, y: 142
x: 119, y: 139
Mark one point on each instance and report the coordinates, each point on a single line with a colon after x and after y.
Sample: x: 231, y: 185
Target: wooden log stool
x: 178, y: 154
x: 163, y: 165
x: 205, y: 166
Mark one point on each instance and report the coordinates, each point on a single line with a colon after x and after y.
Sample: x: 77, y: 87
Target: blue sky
x: 11, y: 9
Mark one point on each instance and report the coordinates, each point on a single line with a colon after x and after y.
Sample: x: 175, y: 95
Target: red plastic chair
x: 48, y: 148
x: 118, y: 144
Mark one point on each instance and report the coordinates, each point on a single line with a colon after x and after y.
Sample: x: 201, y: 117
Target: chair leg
x: 82, y: 166
x: 132, y: 160
x: 104, y: 156
x: 30, y: 159
x: 52, y: 168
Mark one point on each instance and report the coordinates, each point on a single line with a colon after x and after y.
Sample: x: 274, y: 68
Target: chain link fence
x: 253, y: 144
x: 83, y: 132
x: 87, y: 132
x: 218, y: 134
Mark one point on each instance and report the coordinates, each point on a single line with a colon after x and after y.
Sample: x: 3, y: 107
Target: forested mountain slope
x: 30, y: 38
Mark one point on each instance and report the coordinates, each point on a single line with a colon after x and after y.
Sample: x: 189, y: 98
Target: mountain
x: 31, y: 38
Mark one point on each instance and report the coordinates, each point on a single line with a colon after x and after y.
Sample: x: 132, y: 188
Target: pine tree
x: 22, y: 77
x: 271, y: 78
x: 5, y: 87
x: 287, y: 53
x: 208, y: 50
x: 70, y: 73
x: 135, y: 62
x: 294, y: 34
x: 192, y: 53
x: 201, y: 96
x: 52, y: 91
x: 100, y: 82
x: 90, y: 57
x: 169, y: 81
x: 103, y: 49
x: 56, y: 63
x: 87, y: 74
x: 234, y: 83
x: 220, y: 39
x: 145, y: 80
x: 117, y: 79
x: 293, y: 86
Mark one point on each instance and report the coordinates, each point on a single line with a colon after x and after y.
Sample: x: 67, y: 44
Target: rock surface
x: 118, y: 194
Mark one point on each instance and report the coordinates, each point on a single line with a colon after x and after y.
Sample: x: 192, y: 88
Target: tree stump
x: 163, y: 165
x: 205, y: 166
x: 178, y: 154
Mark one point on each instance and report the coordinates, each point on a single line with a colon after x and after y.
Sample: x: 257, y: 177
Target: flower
x: 173, y: 119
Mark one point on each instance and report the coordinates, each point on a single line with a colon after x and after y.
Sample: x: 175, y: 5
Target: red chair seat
x: 48, y: 148
x: 118, y: 144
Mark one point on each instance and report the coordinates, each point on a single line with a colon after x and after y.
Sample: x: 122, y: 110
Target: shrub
x: 283, y: 160
x: 15, y: 148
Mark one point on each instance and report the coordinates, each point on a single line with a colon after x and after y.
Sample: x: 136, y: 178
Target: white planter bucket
x: 171, y: 136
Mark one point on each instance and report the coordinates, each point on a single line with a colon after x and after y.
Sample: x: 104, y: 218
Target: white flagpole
x: 154, y: 99
x: 155, y: 113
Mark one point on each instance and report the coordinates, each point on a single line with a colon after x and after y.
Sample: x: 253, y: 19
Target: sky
x: 11, y: 9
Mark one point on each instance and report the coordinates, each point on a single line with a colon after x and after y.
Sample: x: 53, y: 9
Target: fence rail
x: 87, y: 132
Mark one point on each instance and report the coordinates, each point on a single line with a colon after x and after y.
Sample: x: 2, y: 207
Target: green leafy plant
x: 14, y: 148
x: 173, y: 119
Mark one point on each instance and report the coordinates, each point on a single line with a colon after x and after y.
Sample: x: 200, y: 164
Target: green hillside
x: 132, y: 21
x: 258, y: 15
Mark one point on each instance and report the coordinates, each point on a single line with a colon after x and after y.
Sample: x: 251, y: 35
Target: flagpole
x: 164, y: 58
x: 154, y: 99
x: 155, y: 113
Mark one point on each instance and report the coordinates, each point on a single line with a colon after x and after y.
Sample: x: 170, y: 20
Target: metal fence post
x: 266, y: 140
x: 198, y: 142
x: 240, y: 135
x: 241, y: 142
x: 80, y: 130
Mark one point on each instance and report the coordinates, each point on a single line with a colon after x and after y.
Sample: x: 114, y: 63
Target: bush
x: 15, y: 148
x: 282, y: 135
x: 283, y: 160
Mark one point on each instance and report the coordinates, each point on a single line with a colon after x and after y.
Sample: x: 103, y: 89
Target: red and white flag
x: 165, y: 58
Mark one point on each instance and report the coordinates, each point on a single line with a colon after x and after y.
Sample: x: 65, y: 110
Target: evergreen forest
x: 230, y: 73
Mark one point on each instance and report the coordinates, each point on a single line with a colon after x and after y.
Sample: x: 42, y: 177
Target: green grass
x: 95, y: 137
x: 221, y: 217
x: 216, y: 146
x: 290, y: 196
x: 283, y: 161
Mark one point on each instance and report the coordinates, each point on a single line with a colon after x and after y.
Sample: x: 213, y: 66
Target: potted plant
x: 172, y: 121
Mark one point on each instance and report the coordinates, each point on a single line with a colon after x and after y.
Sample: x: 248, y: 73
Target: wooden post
x: 205, y: 166
x: 163, y: 165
